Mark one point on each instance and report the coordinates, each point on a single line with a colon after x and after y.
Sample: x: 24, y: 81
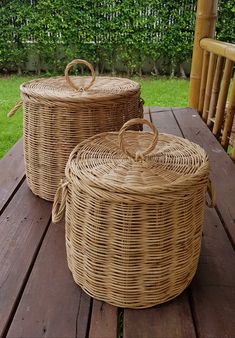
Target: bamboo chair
x: 211, y: 75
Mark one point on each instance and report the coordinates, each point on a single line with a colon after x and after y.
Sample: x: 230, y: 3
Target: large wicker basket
x: 134, y: 215
x: 60, y: 112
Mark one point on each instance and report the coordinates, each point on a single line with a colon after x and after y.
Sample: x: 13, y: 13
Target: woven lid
x: 80, y: 88
x: 138, y: 162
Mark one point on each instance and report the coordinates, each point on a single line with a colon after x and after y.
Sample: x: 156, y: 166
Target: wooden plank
x: 167, y: 320
x: 166, y: 123
x: 159, y: 109
x: 52, y: 305
x: 213, y: 289
x: 222, y: 167
x: 211, y: 320
x: 103, y: 320
x: 147, y: 117
x: 11, y: 172
x: 146, y: 110
x: 22, y: 226
x: 173, y: 319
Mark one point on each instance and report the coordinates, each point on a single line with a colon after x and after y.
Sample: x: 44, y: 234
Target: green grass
x: 155, y: 92
x: 10, y: 128
x: 164, y: 92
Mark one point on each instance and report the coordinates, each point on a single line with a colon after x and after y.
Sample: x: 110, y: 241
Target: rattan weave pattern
x: 57, y: 117
x: 133, y: 217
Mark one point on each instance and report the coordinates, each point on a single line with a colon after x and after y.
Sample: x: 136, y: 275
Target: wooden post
x: 215, y: 89
x: 205, y: 27
x: 233, y: 153
x: 209, y: 83
x: 220, y: 110
x: 205, y: 64
x: 229, y: 117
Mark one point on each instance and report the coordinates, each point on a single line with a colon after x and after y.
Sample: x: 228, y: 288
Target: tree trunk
x: 172, y: 69
x: 156, y: 71
x: 102, y: 68
x: 19, y: 70
x: 113, y: 69
x: 97, y: 68
x: 182, y: 72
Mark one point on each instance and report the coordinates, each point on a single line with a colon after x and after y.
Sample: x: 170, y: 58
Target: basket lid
x: 80, y: 88
x: 138, y: 162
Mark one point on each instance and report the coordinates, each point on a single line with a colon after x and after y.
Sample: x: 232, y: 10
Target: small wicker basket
x: 60, y: 112
x: 134, y: 214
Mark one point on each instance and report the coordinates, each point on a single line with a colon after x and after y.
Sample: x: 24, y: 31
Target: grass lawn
x: 164, y: 92
x: 10, y: 128
x: 155, y: 92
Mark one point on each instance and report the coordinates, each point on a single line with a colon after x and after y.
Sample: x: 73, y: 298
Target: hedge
x: 105, y: 32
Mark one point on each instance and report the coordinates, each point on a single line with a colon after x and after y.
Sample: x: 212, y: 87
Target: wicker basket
x: 60, y: 112
x: 133, y: 216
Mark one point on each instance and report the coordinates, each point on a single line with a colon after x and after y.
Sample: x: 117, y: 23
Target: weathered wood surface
x: 52, y: 305
x: 172, y: 319
x: 213, y: 288
x: 222, y: 167
x: 38, y: 297
x: 11, y: 173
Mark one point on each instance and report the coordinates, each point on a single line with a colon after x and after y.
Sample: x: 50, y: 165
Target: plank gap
x: 120, y: 323
x: 172, y: 110
x: 89, y: 319
x: 231, y: 241
x: 192, y: 309
x: 12, y: 195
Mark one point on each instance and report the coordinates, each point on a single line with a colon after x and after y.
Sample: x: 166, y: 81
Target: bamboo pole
x: 223, y: 96
x: 215, y: 89
x: 221, y: 48
x: 203, y: 81
x: 209, y: 84
x: 205, y: 27
x: 233, y: 153
x: 229, y: 117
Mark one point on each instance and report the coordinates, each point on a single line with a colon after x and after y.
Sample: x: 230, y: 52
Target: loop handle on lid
x: 140, y: 154
x: 70, y: 82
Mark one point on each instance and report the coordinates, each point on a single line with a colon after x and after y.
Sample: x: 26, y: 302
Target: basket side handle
x: 139, y: 155
x: 15, y: 108
x: 212, y: 194
x: 73, y: 84
x: 59, y: 204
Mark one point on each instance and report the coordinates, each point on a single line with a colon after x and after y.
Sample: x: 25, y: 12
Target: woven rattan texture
x: 57, y: 118
x: 57, y: 89
x: 133, y: 227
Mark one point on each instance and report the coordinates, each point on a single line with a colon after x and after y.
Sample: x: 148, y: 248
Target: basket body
x: 53, y: 128
x: 134, y: 225
x: 133, y: 255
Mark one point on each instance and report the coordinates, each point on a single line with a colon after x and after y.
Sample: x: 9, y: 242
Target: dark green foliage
x: 105, y: 32
x: 226, y: 21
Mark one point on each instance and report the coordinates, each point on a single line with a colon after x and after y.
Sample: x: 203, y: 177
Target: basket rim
x: 93, y: 94
x: 188, y: 181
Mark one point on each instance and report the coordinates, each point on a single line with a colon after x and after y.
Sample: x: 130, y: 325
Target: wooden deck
x: 38, y: 297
